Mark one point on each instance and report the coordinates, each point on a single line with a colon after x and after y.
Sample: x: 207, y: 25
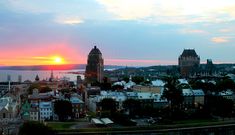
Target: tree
x: 35, y: 128
x: 138, y: 79
x: 132, y: 105
x: 196, y: 84
x: 33, y: 86
x: 225, y: 84
x: 106, y: 85
x: 117, y: 87
x: 219, y: 106
x: 63, y: 109
x: 126, y: 79
x: 45, y: 89
x: 108, y: 105
x: 64, y: 91
x: 205, y: 86
x: 147, y: 82
x: 172, y: 92
x: 40, y: 89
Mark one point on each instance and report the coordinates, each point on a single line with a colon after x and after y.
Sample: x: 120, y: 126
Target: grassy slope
x: 65, y: 126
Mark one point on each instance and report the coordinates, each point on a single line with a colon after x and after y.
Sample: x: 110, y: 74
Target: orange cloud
x: 225, y: 30
x: 70, y: 20
x: 220, y: 39
x: 41, y: 55
x: 193, y: 31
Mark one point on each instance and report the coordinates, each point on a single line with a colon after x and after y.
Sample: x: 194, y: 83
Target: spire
x: 52, y: 76
x: 130, y: 79
x: 37, y: 78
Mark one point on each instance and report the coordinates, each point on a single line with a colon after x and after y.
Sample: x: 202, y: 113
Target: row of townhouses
x: 40, y: 106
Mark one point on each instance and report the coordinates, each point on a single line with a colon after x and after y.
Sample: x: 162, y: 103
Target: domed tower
x: 95, y: 66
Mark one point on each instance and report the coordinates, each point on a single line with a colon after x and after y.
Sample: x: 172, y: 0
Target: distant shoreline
x: 55, y: 67
x: 83, y: 67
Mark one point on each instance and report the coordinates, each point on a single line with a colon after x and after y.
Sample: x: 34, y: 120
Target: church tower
x: 95, y: 66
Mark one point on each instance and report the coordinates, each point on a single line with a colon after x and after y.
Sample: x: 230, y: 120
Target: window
x: 3, y: 115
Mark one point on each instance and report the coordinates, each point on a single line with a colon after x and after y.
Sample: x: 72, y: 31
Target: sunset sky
x: 128, y: 32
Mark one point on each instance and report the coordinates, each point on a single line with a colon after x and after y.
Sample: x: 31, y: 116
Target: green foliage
x: 45, y: 89
x: 201, y: 113
x: 108, y: 104
x: 117, y: 87
x: 74, y: 90
x: 61, y: 125
x: 219, y: 106
x: 225, y: 84
x: 126, y: 79
x: 63, y: 91
x: 133, y: 106
x: 147, y: 82
x: 172, y: 92
x: 122, y: 119
x: 40, y: 89
x: 106, y: 85
x: 63, y: 109
x: 207, y: 86
x: 35, y: 128
x: 138, y: 79
x: 33, y: 86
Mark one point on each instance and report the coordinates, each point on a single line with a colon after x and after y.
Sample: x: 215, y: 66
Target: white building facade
x: 45, y: 110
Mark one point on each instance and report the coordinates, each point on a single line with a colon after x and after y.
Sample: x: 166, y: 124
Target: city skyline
x: 128, y: 32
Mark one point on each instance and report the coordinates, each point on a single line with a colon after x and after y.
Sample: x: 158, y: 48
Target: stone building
x: 209, y: 67
x: 189, y: 62
x: 95, y: 66
x: 8, y: 109
x: 199, y: 97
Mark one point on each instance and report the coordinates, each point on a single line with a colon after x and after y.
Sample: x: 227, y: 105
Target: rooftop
x: 198, y: 92
x: 189, y: 53
x: 183, y: 81
x: 95, y: 50
x: 187, y: 92
x: 76, y: 100
x: 45, y: 105
x: 158, y: 83
x: 226, y: 93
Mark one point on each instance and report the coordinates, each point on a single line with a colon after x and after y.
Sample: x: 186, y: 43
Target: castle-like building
x: 189, y: 62
x: 95, y: 66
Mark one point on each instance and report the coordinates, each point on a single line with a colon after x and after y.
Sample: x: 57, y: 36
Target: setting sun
x: 58, y: 60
